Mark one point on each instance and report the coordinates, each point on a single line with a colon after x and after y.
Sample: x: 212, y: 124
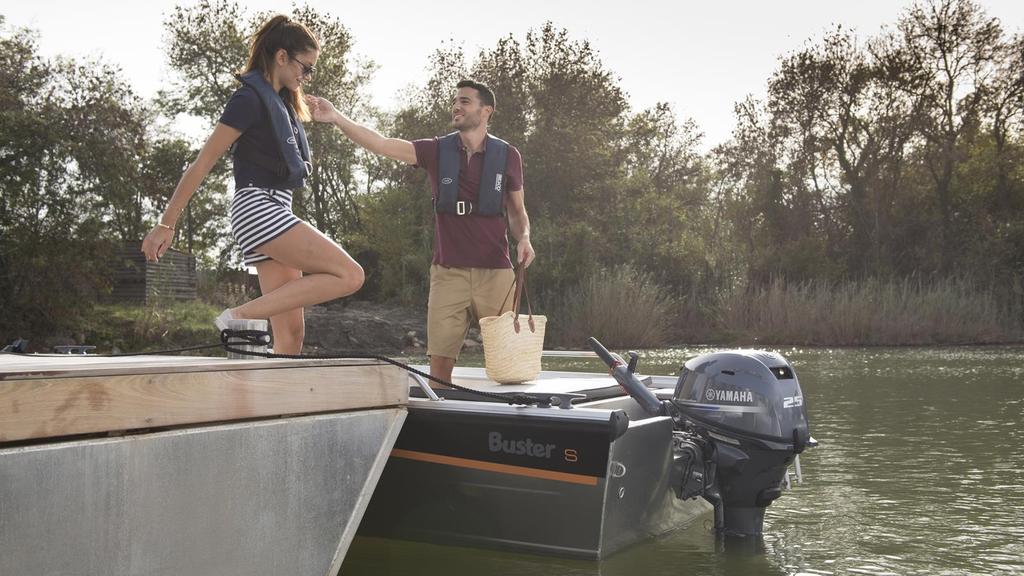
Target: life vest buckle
x: 460, y: 208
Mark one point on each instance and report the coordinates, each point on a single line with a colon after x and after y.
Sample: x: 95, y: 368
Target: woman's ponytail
x: 282, y: 33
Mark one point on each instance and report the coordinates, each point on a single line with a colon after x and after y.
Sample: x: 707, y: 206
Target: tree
x: 72, y: 138
x: 846, y: 121
x: 1003, y: 104
x: 781, y: 230
x: 663, y: 207
x: 953, y: 44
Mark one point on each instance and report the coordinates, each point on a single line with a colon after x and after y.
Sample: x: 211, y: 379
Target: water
x: 920, y: 472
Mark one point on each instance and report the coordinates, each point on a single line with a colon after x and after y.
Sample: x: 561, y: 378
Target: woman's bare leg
x: 289, y: 327
x: 329, y: 273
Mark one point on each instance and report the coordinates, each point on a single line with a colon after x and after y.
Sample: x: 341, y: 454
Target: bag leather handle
x: 519, y: 283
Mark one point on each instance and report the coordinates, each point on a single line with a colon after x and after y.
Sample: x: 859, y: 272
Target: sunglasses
x: 307, y: 70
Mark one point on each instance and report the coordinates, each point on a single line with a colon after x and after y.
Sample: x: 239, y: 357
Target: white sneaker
x: 222, y: 320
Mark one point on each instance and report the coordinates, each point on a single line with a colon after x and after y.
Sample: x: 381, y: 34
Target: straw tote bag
x: 512, y: 349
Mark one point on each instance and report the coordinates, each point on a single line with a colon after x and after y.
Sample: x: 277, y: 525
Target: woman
x: 261, y: 124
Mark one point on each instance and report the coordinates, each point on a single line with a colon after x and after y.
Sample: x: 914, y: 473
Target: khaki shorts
x: 457, y: 295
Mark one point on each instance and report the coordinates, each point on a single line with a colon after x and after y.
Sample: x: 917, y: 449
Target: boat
x: 597, y: 462
x: 166, y: 465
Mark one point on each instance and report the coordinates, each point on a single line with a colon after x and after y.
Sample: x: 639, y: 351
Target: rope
x: 169, y: 351
x: 259, y: 338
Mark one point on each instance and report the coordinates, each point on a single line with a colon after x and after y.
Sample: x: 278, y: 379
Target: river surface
x: 920, y: 471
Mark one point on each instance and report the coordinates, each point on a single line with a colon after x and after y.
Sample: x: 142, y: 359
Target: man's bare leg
x: 441, y: 367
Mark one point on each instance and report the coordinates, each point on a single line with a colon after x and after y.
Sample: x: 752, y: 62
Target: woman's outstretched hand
x: 321, y: 109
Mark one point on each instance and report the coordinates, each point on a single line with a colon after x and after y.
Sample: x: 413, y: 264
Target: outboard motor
x: 739, y: 423
x: 748, y: 407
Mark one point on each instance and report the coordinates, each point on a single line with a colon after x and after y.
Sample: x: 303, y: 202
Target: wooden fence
x: 135, y: 280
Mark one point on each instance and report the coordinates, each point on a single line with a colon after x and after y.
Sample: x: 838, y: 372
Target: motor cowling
x: 748, y: 406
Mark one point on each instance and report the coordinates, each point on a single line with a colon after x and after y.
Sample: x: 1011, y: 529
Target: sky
x: 699, y: 56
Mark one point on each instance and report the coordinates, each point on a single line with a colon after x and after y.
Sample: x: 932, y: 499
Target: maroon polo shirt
x: 469, y: 241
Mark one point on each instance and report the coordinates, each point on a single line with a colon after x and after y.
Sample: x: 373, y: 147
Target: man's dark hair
x: 485, y: 93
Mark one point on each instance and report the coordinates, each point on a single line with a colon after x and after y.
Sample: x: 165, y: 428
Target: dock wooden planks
x: 43, y: 396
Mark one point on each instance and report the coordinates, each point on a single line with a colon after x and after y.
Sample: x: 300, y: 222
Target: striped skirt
x: 258, y: 215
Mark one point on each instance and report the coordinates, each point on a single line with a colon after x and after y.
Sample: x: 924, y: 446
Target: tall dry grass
x: 621, y: 307
x: 871, y: 312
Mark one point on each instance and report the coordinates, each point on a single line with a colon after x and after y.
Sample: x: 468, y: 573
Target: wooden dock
x: 60, y: 395
x: 185, y: 465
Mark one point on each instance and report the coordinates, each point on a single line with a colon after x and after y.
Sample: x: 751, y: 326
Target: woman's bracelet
x: 162, y: 225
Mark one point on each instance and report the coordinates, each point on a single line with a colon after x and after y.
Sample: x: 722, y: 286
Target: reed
x: 909, y: 311
x: 621, y: 307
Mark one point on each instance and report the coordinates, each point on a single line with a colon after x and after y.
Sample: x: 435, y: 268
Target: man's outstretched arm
x: 396, y: 148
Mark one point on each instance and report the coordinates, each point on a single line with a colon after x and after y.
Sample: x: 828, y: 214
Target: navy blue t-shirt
x: 245, y: 112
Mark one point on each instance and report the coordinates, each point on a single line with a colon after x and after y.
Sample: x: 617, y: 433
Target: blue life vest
x: 294, y: 164
x: 490, y: 198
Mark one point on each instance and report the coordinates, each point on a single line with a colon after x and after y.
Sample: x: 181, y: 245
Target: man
x: 477, y: 180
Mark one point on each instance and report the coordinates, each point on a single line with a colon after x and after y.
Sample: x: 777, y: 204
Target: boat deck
x: 591, y: 386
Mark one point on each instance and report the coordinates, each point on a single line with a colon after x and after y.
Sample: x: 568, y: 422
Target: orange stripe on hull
x: 494, y: 467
